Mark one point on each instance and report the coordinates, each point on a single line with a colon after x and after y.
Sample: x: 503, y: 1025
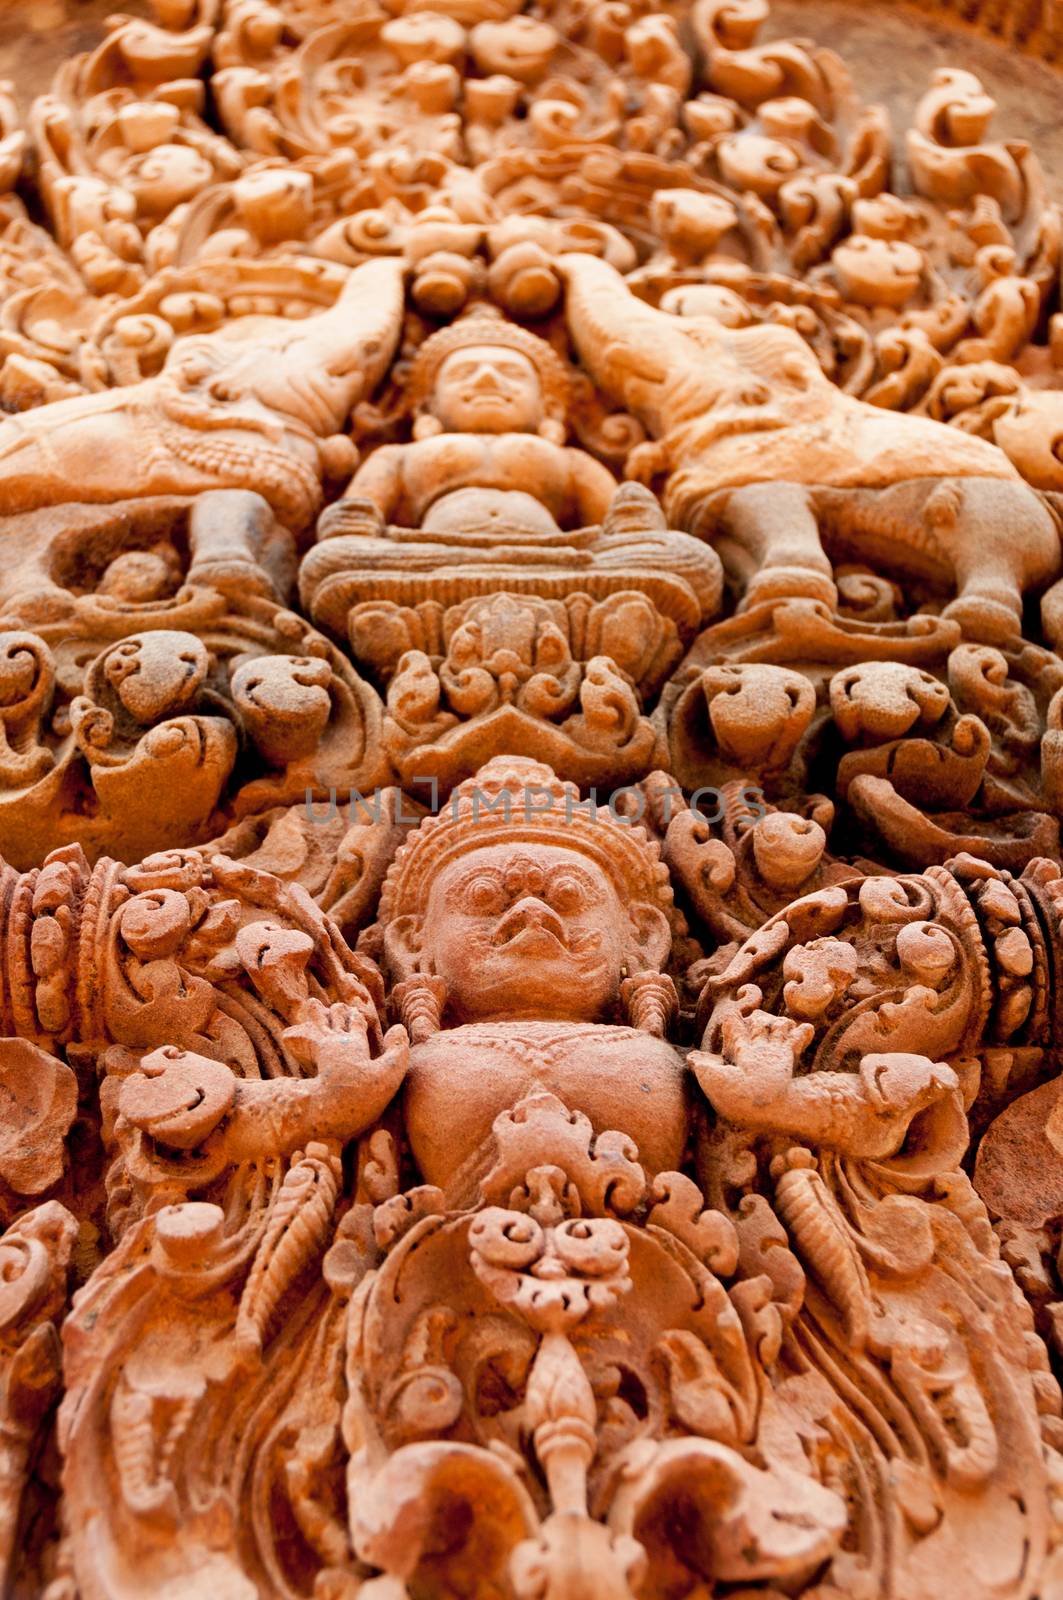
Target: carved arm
x: 868, y: 1113
x: 188, y: 1102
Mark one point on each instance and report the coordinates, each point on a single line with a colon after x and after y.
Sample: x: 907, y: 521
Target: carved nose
x: 531, y: 912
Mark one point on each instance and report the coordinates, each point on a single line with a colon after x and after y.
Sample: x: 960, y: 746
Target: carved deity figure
x: 665, y: 1361
x: 488, y: 483
x: 548, y: 1115
x: 528, y: 966
x: 459, y: 565
x: 761, y: 450
x: 530, y: 804
x: 490, y: 404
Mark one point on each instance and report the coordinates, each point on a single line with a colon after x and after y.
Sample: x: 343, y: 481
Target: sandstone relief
x: 531, y: 773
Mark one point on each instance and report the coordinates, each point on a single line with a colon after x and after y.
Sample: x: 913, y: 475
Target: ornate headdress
x: 540, y: 806
x: 485, y: 324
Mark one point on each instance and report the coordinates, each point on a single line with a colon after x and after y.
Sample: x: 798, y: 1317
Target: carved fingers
x: 759, y: 1043
x: 334, y: 1039
x: 325, y: 1036
x: 748, y: 1082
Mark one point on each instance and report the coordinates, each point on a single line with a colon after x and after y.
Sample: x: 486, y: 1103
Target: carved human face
x: 525, y: 931
x: 488, y: 389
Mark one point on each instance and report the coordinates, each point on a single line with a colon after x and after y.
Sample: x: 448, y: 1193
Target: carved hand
x: 335, y: 1040
x: 759, y: 1053
x: 332, y: 1038
x: 180, y: 1099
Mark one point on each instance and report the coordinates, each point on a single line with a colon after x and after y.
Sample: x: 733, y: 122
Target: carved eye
x: 566, y: 893
x: 484, y: 895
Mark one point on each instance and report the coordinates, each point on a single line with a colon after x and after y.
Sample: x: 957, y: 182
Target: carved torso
x: 433, y: 469
x: 618, y: 1077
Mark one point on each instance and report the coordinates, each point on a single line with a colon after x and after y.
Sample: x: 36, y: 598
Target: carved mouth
x: 535, y: 941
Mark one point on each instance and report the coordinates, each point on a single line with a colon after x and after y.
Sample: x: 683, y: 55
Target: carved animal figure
x: 257, y: 405
x: 762, y: 451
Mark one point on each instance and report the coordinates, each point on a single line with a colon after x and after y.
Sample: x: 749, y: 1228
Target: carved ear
x: 553, y: 429
x: 426, y: 426
x: 652, y: 935
x: 402, y: 945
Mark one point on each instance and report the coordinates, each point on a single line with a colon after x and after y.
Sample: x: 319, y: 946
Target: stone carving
x: 552, y: 1208
x: 487, y: 501
x: 949, y: 956
x: 251, y: 406
x: 758, y: 443
x: 136, y: 691
x: 531, y: 768
x: 36, y: 1251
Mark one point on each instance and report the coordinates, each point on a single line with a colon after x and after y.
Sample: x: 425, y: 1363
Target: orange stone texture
x: 531, y: 772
